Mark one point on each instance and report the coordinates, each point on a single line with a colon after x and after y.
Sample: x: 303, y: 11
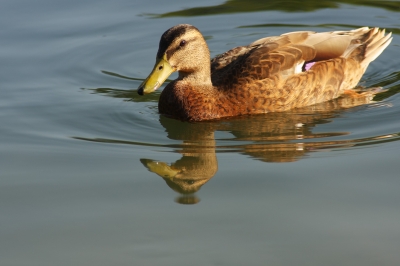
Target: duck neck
x: 200, y: 76
x: 195, y: 78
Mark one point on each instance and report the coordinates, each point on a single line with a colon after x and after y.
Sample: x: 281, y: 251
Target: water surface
x: 91, y: 174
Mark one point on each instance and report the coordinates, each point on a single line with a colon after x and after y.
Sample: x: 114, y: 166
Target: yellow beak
x: 160, y: 168
x: 161, y: 71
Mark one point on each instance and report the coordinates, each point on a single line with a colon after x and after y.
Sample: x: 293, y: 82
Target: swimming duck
x: 272, y: 74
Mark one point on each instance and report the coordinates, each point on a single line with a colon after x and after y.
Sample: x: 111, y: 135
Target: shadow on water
x: 128, y: 95
x: 391, y: 80
x: 241, y: 6
x: 274, y: 137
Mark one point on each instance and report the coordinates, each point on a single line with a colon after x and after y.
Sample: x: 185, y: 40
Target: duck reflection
x: 273, y: 137
x: 198, y: 163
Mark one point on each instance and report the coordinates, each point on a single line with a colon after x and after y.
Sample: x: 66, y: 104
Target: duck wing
x: 284, y: 55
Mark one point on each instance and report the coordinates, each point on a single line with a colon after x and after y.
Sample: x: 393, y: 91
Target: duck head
x: 182, y: 48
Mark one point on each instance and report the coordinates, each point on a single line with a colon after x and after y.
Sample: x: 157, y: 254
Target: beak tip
x: 140, y: 91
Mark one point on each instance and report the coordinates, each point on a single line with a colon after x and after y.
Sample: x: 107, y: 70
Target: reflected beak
x: 161, y: 71
x: 160, y: 168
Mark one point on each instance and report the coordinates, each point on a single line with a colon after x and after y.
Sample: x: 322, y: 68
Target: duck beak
x: 160, y: 168
x: 161, y: 71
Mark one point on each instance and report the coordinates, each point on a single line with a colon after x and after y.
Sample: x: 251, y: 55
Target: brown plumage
x: 272, y: 74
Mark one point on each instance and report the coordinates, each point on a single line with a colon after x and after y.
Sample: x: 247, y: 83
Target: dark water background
x: 79, y: 150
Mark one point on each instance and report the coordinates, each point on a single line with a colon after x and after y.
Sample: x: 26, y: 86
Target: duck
x: 272, y: 74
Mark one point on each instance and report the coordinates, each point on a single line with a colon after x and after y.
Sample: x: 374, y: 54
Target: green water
x: 79, y: 149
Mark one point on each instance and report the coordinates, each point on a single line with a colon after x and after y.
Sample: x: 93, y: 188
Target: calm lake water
x: 89, y: 169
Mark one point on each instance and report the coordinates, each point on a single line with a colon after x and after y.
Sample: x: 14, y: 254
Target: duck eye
x: 182, y: 43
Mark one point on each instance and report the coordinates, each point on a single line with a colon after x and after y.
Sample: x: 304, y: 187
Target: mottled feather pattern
x: 269, y: 75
